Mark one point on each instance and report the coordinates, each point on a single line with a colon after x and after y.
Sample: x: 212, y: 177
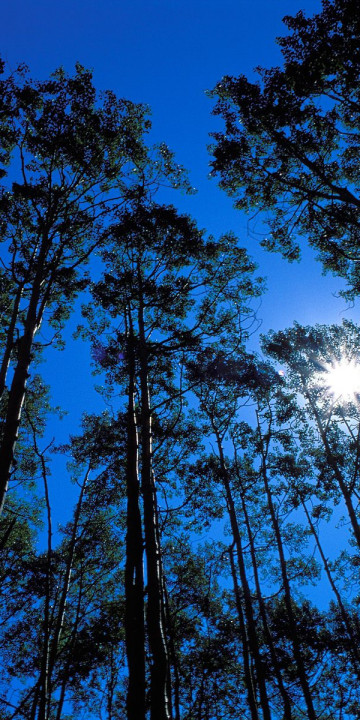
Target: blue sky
x: 167, y: 53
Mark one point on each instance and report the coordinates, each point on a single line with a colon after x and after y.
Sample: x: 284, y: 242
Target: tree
x: 309, y: 354
x: 204, y: 630
x: 220, y: 397
x: 290, y: 147
x: 166, y: 290
x: 64, y: 621
x: 249, y: 500
x: 130, y: 613
x: 72, y: 151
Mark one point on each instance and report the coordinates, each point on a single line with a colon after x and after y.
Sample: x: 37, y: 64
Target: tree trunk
x: 55, y: 640
x: 287, y: 596
x: 134, y: 572
x: 173, y: 656
x: 10, y: 339
x: 14, y: 408
x: 249, y: 683
x: 65, y: 669
x: 251, y: 628
x: 45, y: 697
x: 283, y: 692
x: 345, y: 618
x: 338, y: 475
x: 160, y: 694
x: 21, y: 374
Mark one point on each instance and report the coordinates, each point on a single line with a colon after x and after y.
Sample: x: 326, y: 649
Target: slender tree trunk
x: 61, y: 699
x: 287, y: 595
x: 283, y: 692
x: 44, y: 703
x: 338, y: 475
x: 20, y: 377
x: 111, y: 688
x: 54, y: 644
x: 249, y: 683
x: 354, y: 652
x: 248, y: 604
x: 10, y: 339
x: 7, y: 534
x: 14, y: 408
x: 160, y: 694
x: 173, y: 657
x: 134, y: 572
x: 68, y: 662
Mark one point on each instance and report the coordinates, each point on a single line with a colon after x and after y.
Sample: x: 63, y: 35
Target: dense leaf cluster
x: 290, y: 148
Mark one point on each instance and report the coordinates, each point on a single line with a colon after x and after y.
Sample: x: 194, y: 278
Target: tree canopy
x: 194, y: 576
x: 290, y: 146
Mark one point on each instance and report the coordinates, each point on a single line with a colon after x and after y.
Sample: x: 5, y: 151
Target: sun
x: 343, y: 379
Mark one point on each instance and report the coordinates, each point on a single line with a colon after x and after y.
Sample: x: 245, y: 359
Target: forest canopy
x: 208, y: 564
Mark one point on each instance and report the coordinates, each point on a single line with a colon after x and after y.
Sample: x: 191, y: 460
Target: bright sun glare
x: 343, y: 379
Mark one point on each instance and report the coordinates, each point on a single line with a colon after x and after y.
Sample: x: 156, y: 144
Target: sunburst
x: 342, y: 379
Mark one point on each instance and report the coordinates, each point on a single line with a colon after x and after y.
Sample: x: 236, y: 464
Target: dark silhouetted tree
x: 290, y: 146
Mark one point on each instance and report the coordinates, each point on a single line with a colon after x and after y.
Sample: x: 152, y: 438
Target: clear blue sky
x: 166, y: 53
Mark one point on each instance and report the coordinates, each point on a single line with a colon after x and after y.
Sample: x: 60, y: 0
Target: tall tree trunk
x: 173, y: 656
x: 59, y: 624
x: 10, y: 339
x: 337, y: 472
x: 20, y: 377
x: 354, y: 652
x: 160, y: 693
x: 249, y: 680
x: 66, y: 667
x: 263, y: 613
x: 248, y: 604
x: 298, y: 656
x: 14, y: 408
x: 7, y: 533
x: 44, y: 702
x: 134, y: 572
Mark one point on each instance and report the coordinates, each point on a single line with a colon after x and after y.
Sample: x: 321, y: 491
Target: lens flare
x: 343, y: 379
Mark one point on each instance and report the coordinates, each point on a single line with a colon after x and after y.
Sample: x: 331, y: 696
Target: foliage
x: 290, y: 147
x: 194, y: 577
